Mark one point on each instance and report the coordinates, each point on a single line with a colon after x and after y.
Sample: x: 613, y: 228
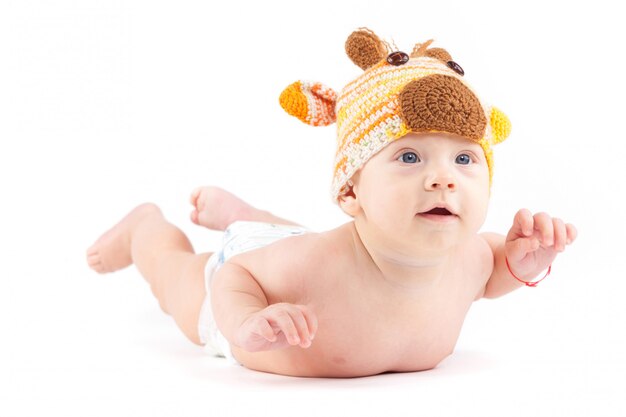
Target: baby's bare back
x: 365, y: 325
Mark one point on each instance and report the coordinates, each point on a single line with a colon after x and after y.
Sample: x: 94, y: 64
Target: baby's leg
x: 216, y: 208
x: 165, y: 258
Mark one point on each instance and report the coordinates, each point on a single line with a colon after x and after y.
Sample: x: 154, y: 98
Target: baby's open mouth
x: 439, y: 210
x: 439, y: 215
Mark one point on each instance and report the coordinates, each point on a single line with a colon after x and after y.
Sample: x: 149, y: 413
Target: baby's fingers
x: 302, y: 327
x: 306, y: 323
x: 572, y: 233
x: 560, y: 234
x: 194, y: 196
x: 544, y: 225
x: 297, y: 322
x: 523, y: 224
x: 285, y: 322
x: 311, y: 320
x: 264, y: 329
x: 518, y: 248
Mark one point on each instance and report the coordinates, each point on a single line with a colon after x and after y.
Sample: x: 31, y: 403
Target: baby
x: 387, y: 291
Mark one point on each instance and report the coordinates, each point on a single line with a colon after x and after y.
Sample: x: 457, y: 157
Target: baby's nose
x: 441, y: 183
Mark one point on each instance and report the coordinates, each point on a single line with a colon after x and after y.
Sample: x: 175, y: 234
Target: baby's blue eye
x: 463, y: 159
x: 409, y: 157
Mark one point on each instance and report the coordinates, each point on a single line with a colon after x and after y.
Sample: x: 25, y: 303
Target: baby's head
x: 407, y: 126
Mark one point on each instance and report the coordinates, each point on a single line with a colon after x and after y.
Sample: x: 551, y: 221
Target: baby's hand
x: 276, y: 327
x: 534, y: 241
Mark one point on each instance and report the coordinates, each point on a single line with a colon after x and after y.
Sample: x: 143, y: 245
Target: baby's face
x: 415, y: 173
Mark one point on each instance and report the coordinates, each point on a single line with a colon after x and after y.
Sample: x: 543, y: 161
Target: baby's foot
x: 216, y: 208
x: 112, y: 250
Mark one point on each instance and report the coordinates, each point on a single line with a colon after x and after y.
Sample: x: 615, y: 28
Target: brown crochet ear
x: 365, y: 49
x: 438, y: 53
x: 422, y: 49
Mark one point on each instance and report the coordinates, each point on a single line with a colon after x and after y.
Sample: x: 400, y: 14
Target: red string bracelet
x: 527, y: 283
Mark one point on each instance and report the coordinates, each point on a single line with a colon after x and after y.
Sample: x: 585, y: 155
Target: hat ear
x: 500, y: 125
x: 438, y: 53
x: 312, y: 103
x: 365, y: 49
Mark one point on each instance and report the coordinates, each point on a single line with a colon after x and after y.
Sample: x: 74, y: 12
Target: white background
x: 104, y: 105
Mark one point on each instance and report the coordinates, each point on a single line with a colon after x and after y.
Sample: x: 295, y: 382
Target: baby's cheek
x: 381, y: 212
x: 375, y: 207
x: 477, y: 215
x: 393, y: 214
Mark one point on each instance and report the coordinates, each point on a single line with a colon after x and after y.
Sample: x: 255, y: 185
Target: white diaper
x: 239, y: 237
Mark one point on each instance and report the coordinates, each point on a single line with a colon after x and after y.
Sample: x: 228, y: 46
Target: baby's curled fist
x: 277, y: 326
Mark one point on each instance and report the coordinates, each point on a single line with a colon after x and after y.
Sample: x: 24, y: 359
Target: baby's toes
x: 93, y: 253
x: 193, y: 198
x: 99, y: 268
x: 94, y: 260
x: 194, y: 216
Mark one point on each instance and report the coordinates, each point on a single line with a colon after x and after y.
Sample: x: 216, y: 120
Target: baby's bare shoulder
x: 291, y: 265
x: 302, y: 250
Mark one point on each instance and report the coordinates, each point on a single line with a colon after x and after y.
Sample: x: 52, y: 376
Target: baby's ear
x: 312, y: 103
x: 348, y: 201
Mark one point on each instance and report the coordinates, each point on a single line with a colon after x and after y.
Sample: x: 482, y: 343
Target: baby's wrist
x: 528, y: 279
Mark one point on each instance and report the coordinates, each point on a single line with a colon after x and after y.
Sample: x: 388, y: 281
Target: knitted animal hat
x: 397, y: 94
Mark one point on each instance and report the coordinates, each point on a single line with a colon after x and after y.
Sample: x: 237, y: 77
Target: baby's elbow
x: 489, y: 294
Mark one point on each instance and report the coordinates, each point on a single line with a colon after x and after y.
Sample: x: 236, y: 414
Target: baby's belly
x: 356, y: 353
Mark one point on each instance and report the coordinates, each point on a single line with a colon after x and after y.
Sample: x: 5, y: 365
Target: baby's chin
x: 439, y: 238
x: 418, y: 235
x: 422, y: 242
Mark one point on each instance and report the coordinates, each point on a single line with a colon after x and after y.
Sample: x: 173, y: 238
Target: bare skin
x: 388, y: 291
x: 216, y: 208
x: 365, y: 324
x: 373, y: 312
x: 160, y: 251
x: 163, y: 254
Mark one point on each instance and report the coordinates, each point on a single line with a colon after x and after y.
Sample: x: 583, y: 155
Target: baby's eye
x: 464, y: 159
x: 408, y: 157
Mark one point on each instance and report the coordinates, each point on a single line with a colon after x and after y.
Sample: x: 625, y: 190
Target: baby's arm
x: 530, y: 247
x: 248, y: 321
